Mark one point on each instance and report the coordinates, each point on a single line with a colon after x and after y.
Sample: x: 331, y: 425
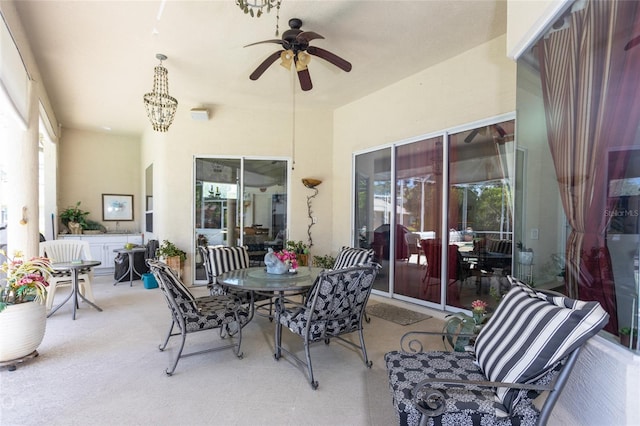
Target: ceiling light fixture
x: 256, y: 8
x: 161, y: 108
x: 200, y: 114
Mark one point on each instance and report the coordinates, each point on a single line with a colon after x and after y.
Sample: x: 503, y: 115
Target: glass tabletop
x: 258, y: 279
x: 74, y: 264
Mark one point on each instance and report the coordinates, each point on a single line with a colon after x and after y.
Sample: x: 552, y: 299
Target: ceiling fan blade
x: 265, y: 64
x: 305, y: 79
x: 275, y: 40
x: 330, y: 57
x: 632, y: 43
x: 308, y: 36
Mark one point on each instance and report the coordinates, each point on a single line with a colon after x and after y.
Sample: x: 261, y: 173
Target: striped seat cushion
x: 350, y: 256
x: 529, y: 333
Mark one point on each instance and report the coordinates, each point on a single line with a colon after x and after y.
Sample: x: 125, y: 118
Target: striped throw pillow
x: 224, y: 259
x: 529, y: 333
x: 350, y: 256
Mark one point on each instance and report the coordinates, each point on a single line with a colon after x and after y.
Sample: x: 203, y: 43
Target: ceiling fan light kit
x: 161, y: 107
x: 296, y: 49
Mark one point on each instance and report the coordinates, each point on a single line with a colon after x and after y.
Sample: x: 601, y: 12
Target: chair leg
x: 278, y: 340
x: 163, y: 346
x: 183, y: 333
x: 51, y: 293
x: 312, y: 382
x: 236, y: 348
x: 367, y: 361
x: 86, y: 290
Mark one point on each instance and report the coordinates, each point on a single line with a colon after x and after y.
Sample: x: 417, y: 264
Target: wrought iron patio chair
x: 353, y: 256
x: 221, y: 259
x: 190, y: 314
x: 520, y: 362
x: 334, y: 308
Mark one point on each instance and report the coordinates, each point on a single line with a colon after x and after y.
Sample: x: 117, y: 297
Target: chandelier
x: 256, y: 8
x: 161, y: 108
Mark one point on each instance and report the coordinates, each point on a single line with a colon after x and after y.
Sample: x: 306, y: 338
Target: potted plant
x: 301, y: 250
x: 171, y: 255
x: 93, y: 227
x: 326, y: 261
x: 22, y: 307
x: 74, y: 218
x: 525, y: 256
x: 625, y: 337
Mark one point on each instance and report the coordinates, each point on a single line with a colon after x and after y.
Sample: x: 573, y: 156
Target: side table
x: 132, y: 267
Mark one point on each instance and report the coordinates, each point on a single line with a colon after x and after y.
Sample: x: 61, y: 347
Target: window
x: 579, y: 201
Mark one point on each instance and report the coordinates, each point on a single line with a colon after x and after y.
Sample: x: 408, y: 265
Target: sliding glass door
x: 373, y: 207
x: 441, y: 209
x: 239, y: 201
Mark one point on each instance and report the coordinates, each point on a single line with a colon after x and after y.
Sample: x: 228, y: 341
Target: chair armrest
x: 410, y: 341
x: 431, y: 402
x: 282, y: 303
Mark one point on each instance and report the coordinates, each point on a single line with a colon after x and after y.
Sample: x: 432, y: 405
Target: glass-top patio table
x: 257, y: 279
x: 260, y: 282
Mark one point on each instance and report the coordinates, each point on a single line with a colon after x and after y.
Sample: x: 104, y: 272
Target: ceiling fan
x: 296, y: 50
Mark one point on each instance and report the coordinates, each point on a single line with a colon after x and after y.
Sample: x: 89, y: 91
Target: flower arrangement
x: 301, y: 250
x: 26, y: 280
x: 479, y: 311
x: 288, y: 258
x: 479, y: 307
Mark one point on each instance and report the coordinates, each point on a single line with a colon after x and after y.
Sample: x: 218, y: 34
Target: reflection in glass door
x: 373, y: 209
x: 452, y: 259
x: 231, y: 195
x: 481, y: 168
x: 264, y: 207
x: 419, y: 168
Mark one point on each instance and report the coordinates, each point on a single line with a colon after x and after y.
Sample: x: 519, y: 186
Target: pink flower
x: 479, y: 306
x: 288, y: 258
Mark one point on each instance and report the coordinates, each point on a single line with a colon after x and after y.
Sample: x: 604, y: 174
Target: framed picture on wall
x: 117, y: 207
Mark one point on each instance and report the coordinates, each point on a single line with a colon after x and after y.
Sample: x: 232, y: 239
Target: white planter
x: 23, y: 327
x: 525, y: 257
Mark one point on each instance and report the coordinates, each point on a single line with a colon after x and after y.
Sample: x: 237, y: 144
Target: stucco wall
x: 475, y: 85
x: 603, y: 389
x: 91, y: 164
x: 240, y: 132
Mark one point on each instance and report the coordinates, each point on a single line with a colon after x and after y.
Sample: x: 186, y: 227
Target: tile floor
x: 104, y: 368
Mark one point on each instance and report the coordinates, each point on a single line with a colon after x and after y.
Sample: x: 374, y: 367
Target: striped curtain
x: 592, y: 104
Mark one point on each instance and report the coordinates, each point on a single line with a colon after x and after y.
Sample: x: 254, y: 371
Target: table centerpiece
x: 280, y: 262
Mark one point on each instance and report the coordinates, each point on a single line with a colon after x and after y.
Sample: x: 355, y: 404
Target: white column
x: 22, y: 177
